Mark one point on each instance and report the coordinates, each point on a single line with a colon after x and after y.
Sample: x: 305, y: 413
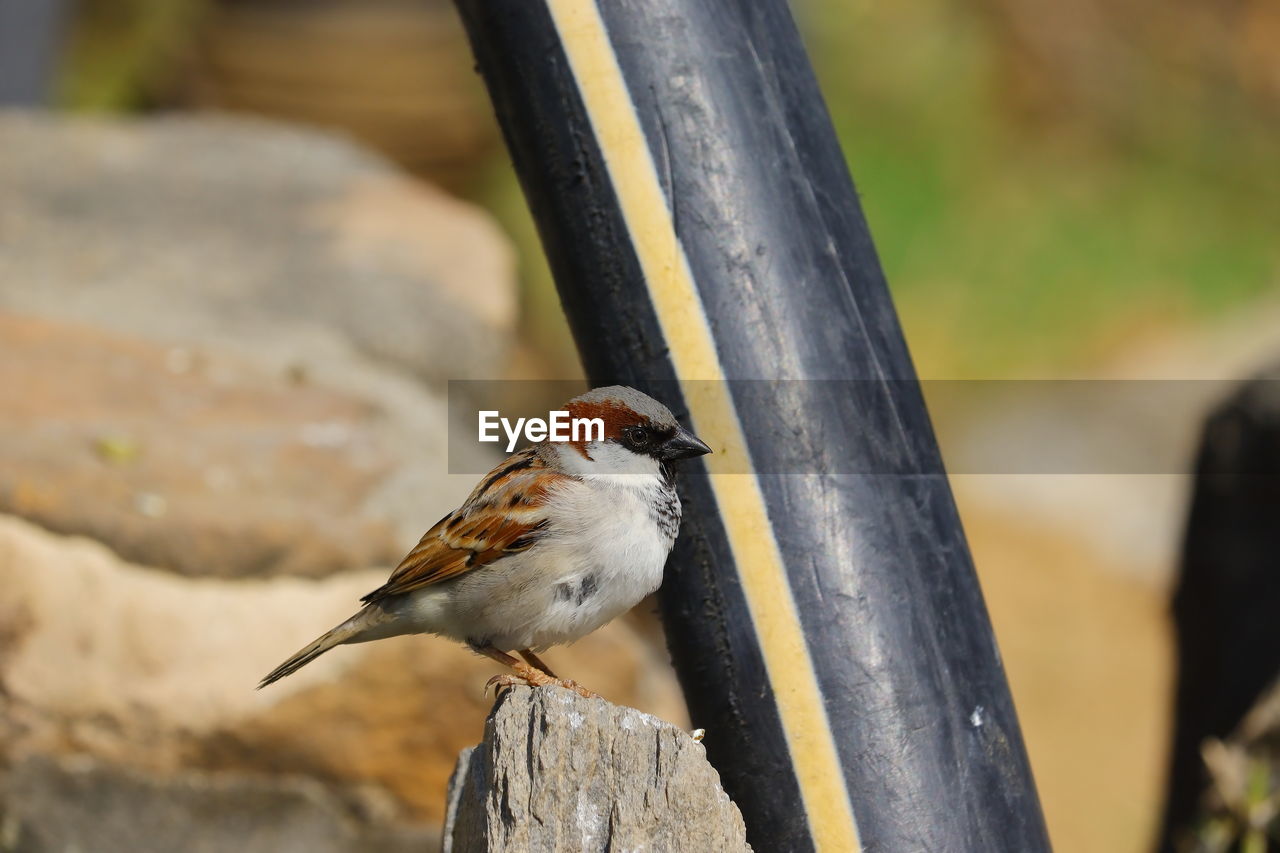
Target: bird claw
x: 506, y: 679
x: 570, y: 684
x: 498, y: 682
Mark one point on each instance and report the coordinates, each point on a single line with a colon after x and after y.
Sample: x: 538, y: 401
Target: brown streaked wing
x: 504, y: 515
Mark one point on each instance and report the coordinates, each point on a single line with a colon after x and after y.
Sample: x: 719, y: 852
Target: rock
x: 559, y: 772
x: 220, y: 330
x: 86, y: 805
x: 224, y: 341
x: 154, y: 672
x: 209, y: 463
x: 204, y: 464
x: 199, y: 229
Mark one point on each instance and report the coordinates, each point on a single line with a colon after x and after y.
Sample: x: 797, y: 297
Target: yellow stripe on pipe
x: 692, y: 347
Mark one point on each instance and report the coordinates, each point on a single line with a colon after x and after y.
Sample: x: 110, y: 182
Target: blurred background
x: 249, y: 241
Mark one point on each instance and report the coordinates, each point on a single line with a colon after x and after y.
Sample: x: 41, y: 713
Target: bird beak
x: 682, y: 445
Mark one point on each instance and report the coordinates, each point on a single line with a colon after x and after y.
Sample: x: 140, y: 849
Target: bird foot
x: 506, y: 679
x: 570, y: 684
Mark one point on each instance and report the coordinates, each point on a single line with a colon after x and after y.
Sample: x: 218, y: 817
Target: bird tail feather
x: 347, y: 632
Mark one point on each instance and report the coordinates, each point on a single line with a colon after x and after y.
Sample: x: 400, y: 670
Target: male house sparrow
x: 556, y: 541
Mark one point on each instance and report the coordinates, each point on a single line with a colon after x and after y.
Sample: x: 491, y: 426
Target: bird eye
x: 636, y: 436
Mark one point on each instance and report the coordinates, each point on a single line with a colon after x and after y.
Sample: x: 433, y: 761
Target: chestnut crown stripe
x: 615, y: 416
x: 692, y: 350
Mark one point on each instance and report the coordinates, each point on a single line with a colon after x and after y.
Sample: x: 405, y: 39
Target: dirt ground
x: 1087, y: 650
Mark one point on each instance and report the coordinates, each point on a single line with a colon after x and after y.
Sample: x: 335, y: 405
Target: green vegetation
x: 1020, y: 250
x: 123, y: 53
x: 1015, y: 248
x: 1033, y: 219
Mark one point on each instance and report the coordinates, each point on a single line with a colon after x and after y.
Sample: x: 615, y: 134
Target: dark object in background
x: 31, y: 34
x: 640, y: 130
x: 1227, y: 605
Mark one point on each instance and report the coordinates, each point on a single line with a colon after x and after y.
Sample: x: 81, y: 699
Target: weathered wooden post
x: 708, y: 246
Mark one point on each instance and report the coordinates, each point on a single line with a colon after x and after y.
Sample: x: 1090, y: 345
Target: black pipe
x: 824, y: 617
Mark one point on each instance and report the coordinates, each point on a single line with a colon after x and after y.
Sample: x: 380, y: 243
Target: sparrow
x: 556, y: 541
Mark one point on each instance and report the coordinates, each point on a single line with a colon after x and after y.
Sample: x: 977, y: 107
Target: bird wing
x: 506, y: 514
